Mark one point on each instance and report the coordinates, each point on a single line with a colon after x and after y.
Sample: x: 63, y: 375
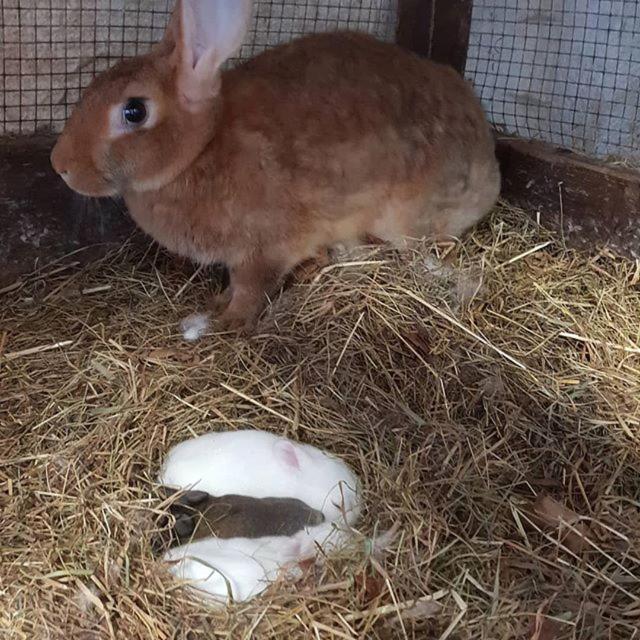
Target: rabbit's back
x: 330, y: 89
x: 344, y: 121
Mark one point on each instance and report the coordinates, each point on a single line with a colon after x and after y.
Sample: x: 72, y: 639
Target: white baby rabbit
x: 261, y: 464
x: 233, y: 569
x: 237, y: 569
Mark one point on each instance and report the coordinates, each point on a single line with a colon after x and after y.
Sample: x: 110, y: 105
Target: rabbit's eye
x: 134, y: 111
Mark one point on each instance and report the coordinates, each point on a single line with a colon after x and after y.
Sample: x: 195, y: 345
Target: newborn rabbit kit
x: 278, y: 503
x: 327, y: 140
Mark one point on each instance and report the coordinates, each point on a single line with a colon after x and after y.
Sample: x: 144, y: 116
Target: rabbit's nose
x: 58, y: 162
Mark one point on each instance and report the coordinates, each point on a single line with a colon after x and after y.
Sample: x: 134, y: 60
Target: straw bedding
x: 487, y: 393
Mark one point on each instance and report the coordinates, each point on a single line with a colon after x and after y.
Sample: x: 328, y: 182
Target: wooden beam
x: 437, y: 29
x: 589, y: 202
x: 41, y: 219
x: 450, y: 33
x: 414, y: 25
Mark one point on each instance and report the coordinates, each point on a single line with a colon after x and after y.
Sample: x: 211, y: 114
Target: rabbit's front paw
x: 240, y: 324
x: 306, y: 271
x: 219, y: 302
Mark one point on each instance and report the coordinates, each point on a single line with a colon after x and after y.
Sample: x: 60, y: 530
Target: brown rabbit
x: 321, y: 141
x: 200, y: 515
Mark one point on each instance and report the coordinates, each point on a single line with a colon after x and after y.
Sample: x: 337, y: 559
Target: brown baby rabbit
x: 200, y: 515
x: 314, y: 143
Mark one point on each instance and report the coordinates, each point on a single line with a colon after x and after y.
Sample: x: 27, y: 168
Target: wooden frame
x: 590, y: 203
x: 436, y: 29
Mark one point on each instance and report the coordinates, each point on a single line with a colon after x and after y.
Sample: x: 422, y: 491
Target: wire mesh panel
x: 51, y: 49
x: 564, y: 71
x: 278, y: 21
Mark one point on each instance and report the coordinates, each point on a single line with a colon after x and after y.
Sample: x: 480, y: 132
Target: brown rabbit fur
x: 321, y: 141
x: 200, y: 515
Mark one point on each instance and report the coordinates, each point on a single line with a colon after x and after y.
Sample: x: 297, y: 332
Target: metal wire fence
x: 51, y: 49
x: 564, y: 71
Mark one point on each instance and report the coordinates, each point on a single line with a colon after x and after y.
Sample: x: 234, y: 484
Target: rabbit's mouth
x: 96, y: 188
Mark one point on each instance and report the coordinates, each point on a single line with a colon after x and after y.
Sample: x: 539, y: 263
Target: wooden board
x: 436, y: 29
x: 589, y: 202
x: 41, y: 219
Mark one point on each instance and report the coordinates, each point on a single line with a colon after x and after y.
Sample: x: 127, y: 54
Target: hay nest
x: 487, y: 393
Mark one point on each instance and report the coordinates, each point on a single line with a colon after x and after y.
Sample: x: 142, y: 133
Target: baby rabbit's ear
x: 289, y: 455
x: 286, y: 453
x: 202, y: 35
x: 184, y: 527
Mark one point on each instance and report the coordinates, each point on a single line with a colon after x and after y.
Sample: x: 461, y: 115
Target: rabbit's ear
x: 204, y: 34
x: 184, y: 527
x: 289, y: 455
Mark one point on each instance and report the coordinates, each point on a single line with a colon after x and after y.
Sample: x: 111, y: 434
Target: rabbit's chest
x: 182, y: 231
